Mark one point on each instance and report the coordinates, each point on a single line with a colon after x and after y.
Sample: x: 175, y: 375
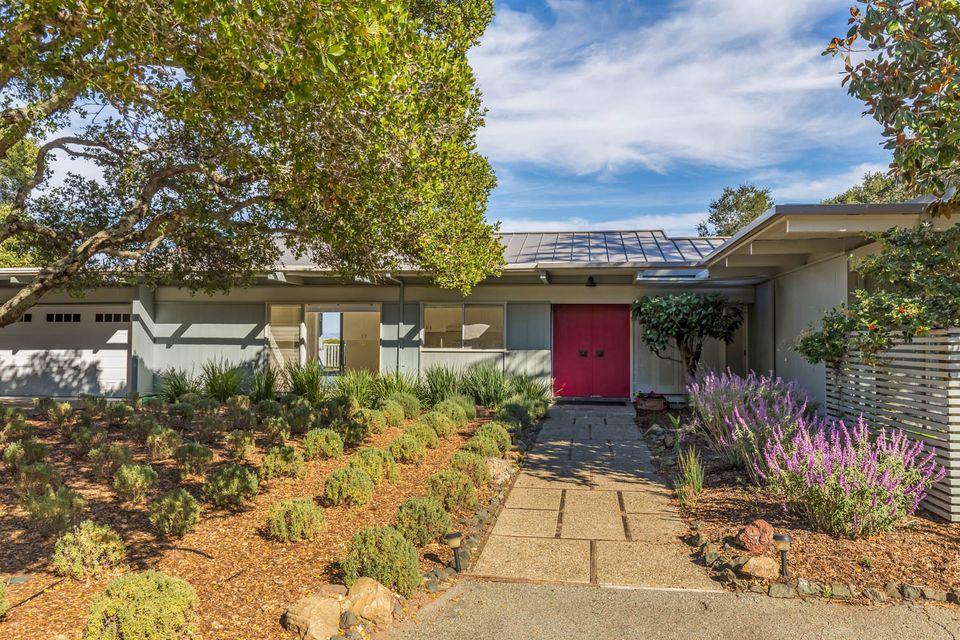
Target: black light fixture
x: 591, y: 282
x: 454, y: 540
x: 782, y: 543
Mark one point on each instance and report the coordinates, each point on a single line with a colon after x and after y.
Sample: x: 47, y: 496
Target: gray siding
x: 142, y: 337
x: 188, y: 334
x: 459, y: 359
x: 409, y: 343
x: 760, y: 330
x: 529, y: 338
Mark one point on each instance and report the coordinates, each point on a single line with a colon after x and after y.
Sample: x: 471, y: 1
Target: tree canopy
x: 684, y: 322
x: 876, y: 187
x: 222, y: 131
x: 901, y: 59
x: 734, y: 209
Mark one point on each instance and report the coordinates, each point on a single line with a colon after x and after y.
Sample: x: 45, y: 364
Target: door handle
x: 583, y: 353
x: 599, y: 353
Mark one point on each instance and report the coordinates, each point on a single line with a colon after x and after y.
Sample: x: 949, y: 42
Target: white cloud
x: 608, y: 86
x: 681, y: 224
x: 804, y: 189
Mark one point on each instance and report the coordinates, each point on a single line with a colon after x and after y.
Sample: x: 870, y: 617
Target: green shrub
x: 537, y: 393
x: 175, y: 513
x: 276, y: 429
x: 408, y: 401
x: 295, y: 519
x: 16, y: 427
x: 141, y: 424
x: 237, y: 411
x: 231, y: 487
x: 516, y: 413
x: 222, y: 380
x: 689, y: 481
x: 382, y: 553
x: 208, y: 428
x: 339, y: 408
x: 154, y: 404
x: 282, y: 461
x: 359, y: 384
x: 307, y: 380
x: 466, y: 403
x: 392, y: 413
x: 23, y: 452
x: 133, y: 481
x: 482, y: 446
x: 472, y: 465
x: 192, y: 458
x: 181, y: 413
x: 93, y: 405
x: 351, y: 486
x: 300, y: 418
x: 33, y: 479
x: 422, y: 520
x: 423, y: 432
x: 374, y: 420
x: 497, y: 432
x: 143, y: 606
x: 453, y: 411
x: 107, y: 458
x: 60, y: 415
x: 353, y: 432
x: 407, y: 449
x: 391, y: 384
x: 177, y: 383
x: 162, y: 442
x: 453, y: 489
x: 269, y: 409
x: 264, y: 385
x: 117, y: 413
x: 322, y: 443
x: 55, y: 509
x: 440, y: 423
x: 205, y: 407
x: 88, y: 438
x: 487, y: 384
x: 87, y: 551
x: 378, y: 463
x: 239, y: 445
x: 441, y: 382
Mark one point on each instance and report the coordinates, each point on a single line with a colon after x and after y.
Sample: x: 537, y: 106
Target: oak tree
x: 735, y: 209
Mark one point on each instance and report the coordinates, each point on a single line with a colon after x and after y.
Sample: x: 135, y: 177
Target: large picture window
x: 463, y: 326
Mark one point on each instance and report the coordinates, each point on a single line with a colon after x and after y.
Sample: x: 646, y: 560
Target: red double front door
x: 591, y: 350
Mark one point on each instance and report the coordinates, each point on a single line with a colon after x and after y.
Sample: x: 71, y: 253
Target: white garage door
x: 66, y: 350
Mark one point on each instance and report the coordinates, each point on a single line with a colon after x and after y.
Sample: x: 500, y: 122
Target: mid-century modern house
x: 560, y: 309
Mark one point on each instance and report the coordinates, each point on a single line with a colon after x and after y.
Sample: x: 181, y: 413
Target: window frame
x: 463, y: 306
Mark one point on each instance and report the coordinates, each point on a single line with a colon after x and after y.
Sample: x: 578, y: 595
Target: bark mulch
x: 244, y: 580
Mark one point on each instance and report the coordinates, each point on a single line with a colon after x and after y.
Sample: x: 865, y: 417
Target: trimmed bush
x: 60, y: 415
x: 422, y: 520
x: 23, y: 452
x: 300, y: 418
x: 141, y: 424
x: 374, y: 420
x: 208, y: 428
x: 276, y: 429
x: 393, y: 413
x: 231, y: 487
x: 453, y: 411
x: 269, y: 408
x: 240, y: 444
x: 117, y: 413
x: 107, y: 458
x: 162, y: 442
x: 133, y: 481
x: 482, y: 446
x: 181, y: 413
x: 472, y: 465
x: 295, y: 519
x: 175, y: 513
x: 466, y: 403
x: 89, y: 550
x: 515, y: 412
x: 322, y: 443
x: 382, y: 553
x: 282, y: 462
x: 350, y: 486
x: 442, y: 424
x: 409, y: 402
x: 192, y: 398
x: 93, y: 405
x: 453, y: 489
x: 353, y: 432
x: 378, y: 463
x: 407, y: 449
x: 192, y: 458
x: 143, y: 606
x: 88, y: 438
x: 33, y: 479
x: 497, y: 432
x: 154, y: 404
x: 16, y: 427
x: 55, y: 509
x: 424, y: 433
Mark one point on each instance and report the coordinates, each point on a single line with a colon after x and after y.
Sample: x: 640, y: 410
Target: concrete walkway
x: 588, y: 508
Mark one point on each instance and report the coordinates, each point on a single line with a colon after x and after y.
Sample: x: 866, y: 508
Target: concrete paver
x: 548, y: 559
x: 521, y: 498
x: 526, y: 522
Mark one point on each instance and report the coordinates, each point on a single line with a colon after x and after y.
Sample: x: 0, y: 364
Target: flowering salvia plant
x: 737, y: 415
x: 845, y: 480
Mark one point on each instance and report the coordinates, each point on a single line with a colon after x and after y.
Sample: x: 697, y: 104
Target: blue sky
x: 636, y: 113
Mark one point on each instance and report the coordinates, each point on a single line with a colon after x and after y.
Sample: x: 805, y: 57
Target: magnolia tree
x: 215, y: 135
x: 684, y: 322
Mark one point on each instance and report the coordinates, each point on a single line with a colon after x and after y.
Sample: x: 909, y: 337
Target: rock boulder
x: 756, y: 536
x: 371, y: 601
x: 761, y: 567
x: 313, y: 618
